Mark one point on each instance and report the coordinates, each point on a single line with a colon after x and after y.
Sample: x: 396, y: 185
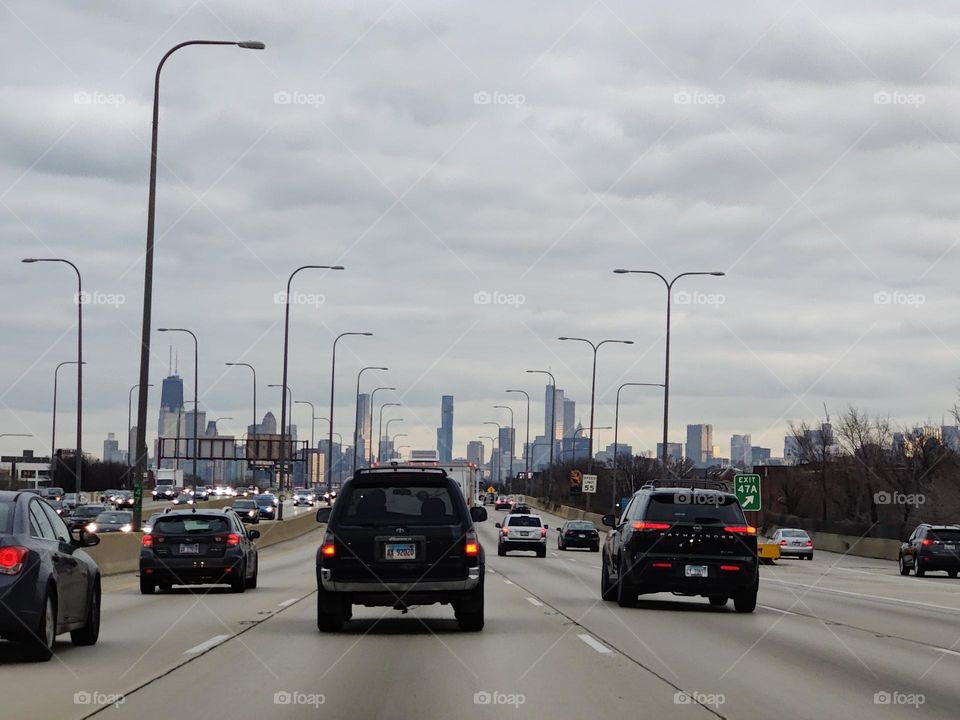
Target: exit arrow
x: 748, y: 499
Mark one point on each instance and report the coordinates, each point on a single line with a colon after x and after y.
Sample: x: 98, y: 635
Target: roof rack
x: 688, y: 484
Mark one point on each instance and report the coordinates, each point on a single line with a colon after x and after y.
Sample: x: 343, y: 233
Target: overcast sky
x: 518, y: 150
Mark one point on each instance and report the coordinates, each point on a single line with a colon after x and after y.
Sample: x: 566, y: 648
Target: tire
x: 38, y: 647
x: 626, y: 592
x: 330, y: 612
x: 542, y: 552
x: 501, y: 551
x: 746, y: 601
x: 90, y: 632
x: 470, y: 611
x: 559, y: 545
x: 952, y: 573
x: 238, y: 583
x: 904, y: 569
x: 607, y: 589
x: 147, y: 586
x: 809, y: 557
x: 251, y: 581
x: 595, y: 548
x: 718, y: 600
x: 919, y: 571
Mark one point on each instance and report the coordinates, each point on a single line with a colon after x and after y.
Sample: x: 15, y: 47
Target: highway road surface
x: 838, y: 637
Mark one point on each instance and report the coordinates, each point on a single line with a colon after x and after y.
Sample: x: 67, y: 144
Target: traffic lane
x: 758, y: 661
x: 385, y: 664
x: 143, y: 636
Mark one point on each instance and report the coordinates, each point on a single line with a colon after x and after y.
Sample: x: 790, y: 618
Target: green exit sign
x: 747, y: 488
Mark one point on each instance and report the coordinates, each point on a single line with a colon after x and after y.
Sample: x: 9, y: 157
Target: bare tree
x: 814, y: 449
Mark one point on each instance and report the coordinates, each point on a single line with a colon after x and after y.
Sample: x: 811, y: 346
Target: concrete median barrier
x: 879, y: 548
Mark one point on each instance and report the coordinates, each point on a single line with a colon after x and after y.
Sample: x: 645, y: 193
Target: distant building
x: 27, y: 468
x: 569, y: 418
x: 606, y: 456
x: 759, y: 455
x: 741, y: 454
x: 674, y: 450
x: 951, y: 437
x: 553, y: 394
x: 445, y: 431
x: 363, y: 424
x: 699, y: 443
x: 475, y: 453
x: 111, y: 450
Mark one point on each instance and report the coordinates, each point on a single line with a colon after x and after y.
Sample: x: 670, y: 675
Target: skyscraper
x: 111, y: 449
x: 741, y: 455
x: 699, y: 443
x: 551, y: 395
x: 363, y: 421
x: 171, y: 405
x: 475, y: 452
x: 445, y: 431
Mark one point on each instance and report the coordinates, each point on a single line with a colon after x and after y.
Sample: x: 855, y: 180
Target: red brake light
x: 328, y: 549
x: 503, y: 531
x: 233, y: 539
x: 12, y: 559
x: 741, y: 529
x: 472, y: 548
x: 928, y: 541
x: 543, y: 532
x: 662, y: 565
x: 730, y: 567
x: 641, y: 525
x: 809, y: 543
x: 783, y: 542
x: 147, y: 541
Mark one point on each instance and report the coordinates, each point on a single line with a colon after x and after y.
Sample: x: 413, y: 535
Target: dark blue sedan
x: 48, y: 585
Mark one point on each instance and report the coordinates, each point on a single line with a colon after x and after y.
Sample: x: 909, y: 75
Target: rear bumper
x: 413, y: 587
x: 935, y: 562
x: 586, y: 542
x: 673, y: 579
x: 795, y: 550
x: 190, y: 571
x: 19, y: 605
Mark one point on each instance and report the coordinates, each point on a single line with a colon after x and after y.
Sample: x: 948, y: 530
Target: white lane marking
x: 947, y: 651
x: 508, y: 582
x: 286, y: 603
x: 776, y: 609
x: 596, y: 567
x: 869, y: 597
x: 534, y: 601
x: 216, y: 640
x: 596, y: 644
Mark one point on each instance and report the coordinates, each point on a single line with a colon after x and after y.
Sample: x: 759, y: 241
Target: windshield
x: 244, y: 505
x: 950, y: 536
x: 88, y: 511
x: 701, y: 508
x: 263, y: 499
x: 581, y: 526
x: 6, y: 517
x: 525, y: 521
x: 793, y: 533
x: 190, y: 525
x: 409, y: 505
x: 114, y: 518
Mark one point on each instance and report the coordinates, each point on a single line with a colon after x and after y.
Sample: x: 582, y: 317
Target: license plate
x: 696, y: 571
x: 583, y: 535
x: 950, y: 547
x: 400, y: 551
x: 192, y: 549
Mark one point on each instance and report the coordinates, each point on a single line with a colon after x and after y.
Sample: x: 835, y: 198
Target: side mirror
x: 609, y: 520
x: 546, y: 527
x: 498, y: 525
x: 253, y: 534
x: 84, y: 539
x: 323, y: 515
x: 478, y: 514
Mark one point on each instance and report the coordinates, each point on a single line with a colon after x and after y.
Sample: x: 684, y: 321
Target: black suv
x: 687, y: 541
x: 400, y: 536
x: 931, y: 548
x: 185, y: 547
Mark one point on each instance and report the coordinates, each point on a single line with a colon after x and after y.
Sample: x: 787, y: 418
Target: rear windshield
x: 793, y: 533
x: 6, y: 517
x: 944, y: 535
x: 694, y: 508
x: 264, y: 499
x: 409, y: 505
x: 524, y: 521
x: 114, y: 517
x: 245, y: 504
x: 190, y: 525
x: 581, y: 526
x: 88, y: 511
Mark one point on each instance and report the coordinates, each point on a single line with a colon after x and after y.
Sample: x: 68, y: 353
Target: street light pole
x: 500, y: 445
x: 333, y: 373
x: 78, y: 468
x: 393, y: 449
x: 666, y: 364
x: 616, y: 431
x: 286, y: 354
x: 527, y: 450
x: 493, y: 452
x: 370, y: 453
x: 380, y: 428
x: 253, y: 427
x: 141, y: 463
x: 553, y: 418
x: 129, y: 420
x: 593, y: 386
x: 512, y: 438
x: 313, y: 424
x: 356, y: 424
x: 387, y: 430
x: 196, y: 417
x: 53, y: 432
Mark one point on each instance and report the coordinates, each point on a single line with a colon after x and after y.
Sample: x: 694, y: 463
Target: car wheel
x: 39, y: 646
x: 607, y: 589
x: 90, y: 632
x: 904, y: 569
x: 919, y: 571
x: 147, y: 586
x: 239, y: 581
x: 542, y: 552
x: 559, y: 544
x: 469, y: 612
x: 330, y: 612
x: 952, y: 573
x: 718, y: 600
x: 626, y: 592
x: 746, y: 601
x: 501, y: 551
x: 252, y: 580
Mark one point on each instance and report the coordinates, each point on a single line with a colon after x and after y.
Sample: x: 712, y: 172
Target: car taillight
x: 809, y: 543
x: 741, y: 529
x: 504, y: 531
x: 147, y: 541
x: 642, y: 525
x: 928, y: 541
x: 233, y: 539
x: 730, y: 568
x: 783, y: 542
x: 471, y: 548
x: 328, y: 549
x: 12, y: 559
x: 543, y: 532
x: 662, y: 565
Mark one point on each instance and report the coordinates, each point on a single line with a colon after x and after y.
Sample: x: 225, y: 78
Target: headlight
x: 91, y: 527
x: 252, y: 513
x: 126, y: 528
